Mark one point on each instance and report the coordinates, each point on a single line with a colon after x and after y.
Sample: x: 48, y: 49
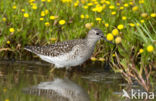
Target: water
x: 31, y: 81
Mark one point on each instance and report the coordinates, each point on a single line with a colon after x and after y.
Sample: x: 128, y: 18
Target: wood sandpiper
x: 69, y: 53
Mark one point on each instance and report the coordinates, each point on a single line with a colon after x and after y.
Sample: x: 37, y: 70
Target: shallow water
x: 31, y: 81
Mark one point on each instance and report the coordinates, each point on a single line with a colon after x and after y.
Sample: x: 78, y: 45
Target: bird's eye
x: 97, y: 33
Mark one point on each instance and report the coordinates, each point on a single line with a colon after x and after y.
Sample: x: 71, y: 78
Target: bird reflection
x: 59, y: 90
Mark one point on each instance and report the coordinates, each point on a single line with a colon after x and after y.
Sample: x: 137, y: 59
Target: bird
x: 69, y: 53
x: 59, y: 90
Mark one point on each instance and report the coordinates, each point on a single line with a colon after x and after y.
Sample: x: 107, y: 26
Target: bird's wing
x: 54, y: 49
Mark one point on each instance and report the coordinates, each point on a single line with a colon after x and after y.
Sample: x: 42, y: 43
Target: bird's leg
x: 68, y: 72
x: 52, y: 68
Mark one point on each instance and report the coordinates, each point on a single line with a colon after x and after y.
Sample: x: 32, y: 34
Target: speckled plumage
x: 68, y: 53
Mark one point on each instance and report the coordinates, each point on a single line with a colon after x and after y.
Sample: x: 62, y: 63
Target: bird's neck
x: 91, y: 42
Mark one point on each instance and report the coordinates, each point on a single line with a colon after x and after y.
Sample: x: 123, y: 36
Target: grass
x: 31, y: 25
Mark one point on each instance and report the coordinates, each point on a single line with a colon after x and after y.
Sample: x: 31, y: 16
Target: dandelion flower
x: 62, y: 22
x: 113, y: 13
x: 4, y: 19
x: 132, y: 24
x: 53, y: 39
x: 88, y: 25
x: 52, y: 17
x: 144, y: 15
x: 153, y: 15
x: 93, y: 58
x: 135, y: 8
x: 41, y: 19
x: 98, y: 19
x: 111, y: 7
x: 48, y: 0
x: 8, y: 42
x: 26, y: 15
x: 43, y: 0
x: 150, y: 48
x: 14, y: 7
x: 87, y: 16
x: 124, y: 17
x: 110, y: 37
x: 118, y: 40
x: 106, y: 25
x: 22, y: 10
x: 141, y: 51
x: 120, y: 27
x: 115, y: 32
x: 42, y: 13
x: 126, y: 5
x: 142, y: 21
x: 82, y: 16
x: 12, y: 30
x: 47, y: 24
x: 34, y: 7
x: 101, y: 59
x: 121, y: 8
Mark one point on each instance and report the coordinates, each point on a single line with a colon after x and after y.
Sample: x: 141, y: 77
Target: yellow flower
x: 85, y: 7
x: 4, y: 19
x: 12, y: 30
x: 41, y: 19
x: 144, y: 15
x: 113, y: 13
x: 8, y: 42
x: 98, y: 19
x: 141, y: 1
x: 126, y: 5
x: 46, y: 11
x: 120, y: 27
x: 88, y: 25
x: 90, y: 4
x: 131, y: 3
x: 93, y: 58
x: 132, y: 24
x: 48, y: 0
x: 47, y: 24
x: 113, y: 55
x: 53, y: 39
x: 110, y: 37
x: 150, y: 48
x: 62, y: 22
x: 87, y: 16
x: 22, y: 10
x: 106, y: 25
x: 66, y: 1
x: 76, y: 4
x: 124, y: 17
x: 82, y: 16
x: 43, y: 0
x: 153, y: 15
x: 26, y: 15
x: 34, y: 6
x: 52, y: 17
x: 135, y: 8
x: 7, y: 100
x: 115, y: 32
x: 121, y: 8
x: 118, y: 4
x: 42, y: 13
x: 101, y: 59
x: 118, y: 40
x: 111, y: 7
x: 14, y: 6
x: 142, y: 21
x: 141, y: 51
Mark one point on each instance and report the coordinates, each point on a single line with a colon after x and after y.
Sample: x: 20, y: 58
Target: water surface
x: 31, y: 81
